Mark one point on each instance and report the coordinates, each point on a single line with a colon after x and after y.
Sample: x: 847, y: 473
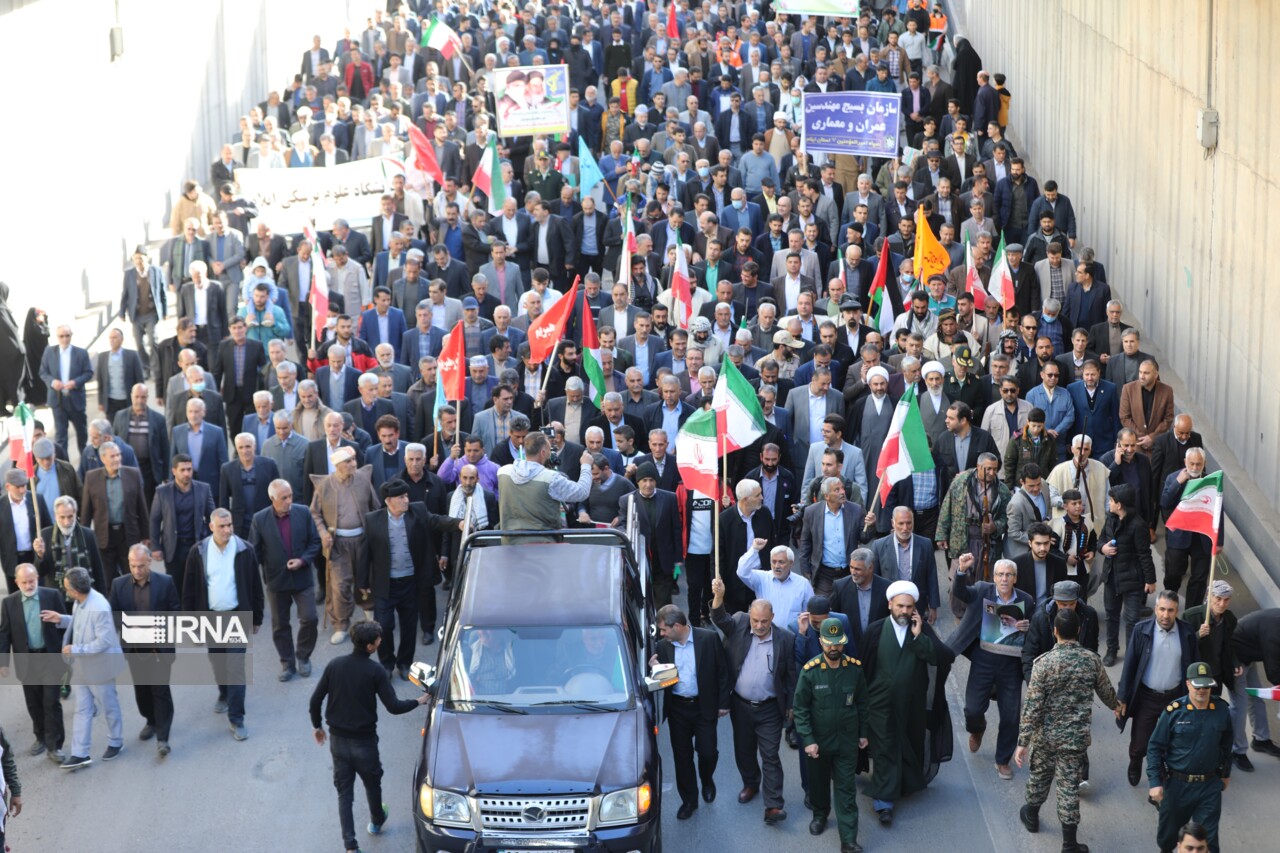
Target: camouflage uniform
x: 1056, y: 718
x: 959, y: 531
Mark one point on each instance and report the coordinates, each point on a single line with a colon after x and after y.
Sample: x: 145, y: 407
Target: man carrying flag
x: 1193, y: 526
x: 488, y: 177
x: 424, y: 156
x: 591, y: 360
x: 1002, y: 279
x: 906, y: 447
x: 739, y: 418
x: 439, y: 36
x: 973, y: 281
x: 681, y: 292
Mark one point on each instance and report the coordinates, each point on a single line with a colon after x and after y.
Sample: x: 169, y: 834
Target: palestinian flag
x: 1200, y: 509
x: 739, y: 417
x: 21, y: 443
x: 1001, y: 279
x: 698, y: 453
x: 880, y: 309
x: 906, y: 447
x: 441, y: 37
x: 591, y: 358
x: 488, y: 177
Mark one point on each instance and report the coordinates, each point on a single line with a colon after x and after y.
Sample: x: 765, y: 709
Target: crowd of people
x: 1055, y: 445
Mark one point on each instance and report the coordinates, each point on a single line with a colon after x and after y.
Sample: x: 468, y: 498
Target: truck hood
x: 534, y: 754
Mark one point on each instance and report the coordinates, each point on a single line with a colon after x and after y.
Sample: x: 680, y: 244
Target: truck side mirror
x: 663, y: 676
x: 423, y: 675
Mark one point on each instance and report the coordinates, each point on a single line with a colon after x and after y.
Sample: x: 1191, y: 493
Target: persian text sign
x: 864, y: 124
x: 288, y: 199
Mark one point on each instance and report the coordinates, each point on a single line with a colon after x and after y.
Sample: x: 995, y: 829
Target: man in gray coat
x: 288, y: 450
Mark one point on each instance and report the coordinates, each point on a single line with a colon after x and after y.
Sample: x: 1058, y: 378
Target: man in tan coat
x: 338, y: 508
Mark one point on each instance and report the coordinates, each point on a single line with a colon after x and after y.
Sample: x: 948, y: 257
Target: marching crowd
x: 274, y: 457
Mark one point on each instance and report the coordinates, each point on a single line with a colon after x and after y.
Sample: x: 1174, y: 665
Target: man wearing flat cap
x: 400, y: 557
x: 339, y: 505
x: 20, y: 522
x: 897, y: 654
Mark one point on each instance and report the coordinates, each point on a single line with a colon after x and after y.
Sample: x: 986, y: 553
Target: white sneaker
x: 338, y: 637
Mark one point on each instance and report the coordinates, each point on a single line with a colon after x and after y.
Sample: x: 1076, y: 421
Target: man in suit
x: 1105, y: 338
x: 740, y: 527
x: 287, y: 572
x: 505, y: 278
x: 386, y: 457
x: 761, y: 697
x: 317, y: 460
x: 222, y: 574
x: 18, y: 540
x: 238, y: 368
x: 1123, y: 366
x: 387, y: 224
x: 423, y: 340
x: 694, y: 703
x: 1031, y: 502
x: 1169, y: 451
x: 659, y: 522
x: 368, y: 407
x: 1159, y: 652
x: 203, y: 441
x: 808, y: 406
x: 287, y: 449
x: 144, y: 301
x: 116, y: 526
x: 612, y: 417
x: 400, y: 561
x: 243, y: 482
x: 551, y: 246
x: 990, y: 671
x: 829, y: 531
x: 779, y: 486
x: 1042, y: 566
x: 143, y: 590
x: 91, y: 644
x: 179, y: 518
x: 152, y: 450
x: 383, y: 324
x: 904, y: 556
x: 960, y: 438
x: 66, y: 369
x: 37, y: 656
x: 118, y: 370
x: 337, y: 382
x: 296, y: 273
x: 1097, y: 408
x: 1149, y: 421
x: 204, y: 302
x: 860, y: 596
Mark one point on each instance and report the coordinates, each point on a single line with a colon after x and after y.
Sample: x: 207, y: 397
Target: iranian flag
x: 1200, y: 509
x: 21, y: 442
x: 628, y: 245
x: 681, y: 292
x: 880, y: 309
x: 1264, y: 692
x: 1001, y: 279
x: 973, y: 281
x: 488, y: 177
x: 739, y: 417
x: 451, y: 366
x: 442, y: 38
x: 698, y: 453
x: 318, y: 296
x: 906, y: 447
x: 591, y: 358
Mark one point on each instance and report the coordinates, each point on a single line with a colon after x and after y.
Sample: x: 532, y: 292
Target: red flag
x: 681, y: 291
x: 318, y: 296
x: 546, y: 331
x: 673, y: 28
x: 425, y: 157
x: 451, y: 366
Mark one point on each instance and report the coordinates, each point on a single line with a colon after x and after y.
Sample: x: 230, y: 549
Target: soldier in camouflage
x: 1056, y: 719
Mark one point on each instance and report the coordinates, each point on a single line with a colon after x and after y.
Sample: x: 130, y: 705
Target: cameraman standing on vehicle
x: 530, y: 495
x: 353, y: 682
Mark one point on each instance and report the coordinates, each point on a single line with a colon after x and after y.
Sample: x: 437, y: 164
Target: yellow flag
x: 931, y: 257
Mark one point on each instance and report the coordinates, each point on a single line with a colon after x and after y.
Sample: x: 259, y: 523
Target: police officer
x: 1189, y: 760
x: 1056, y: 719
x: 830, y: 710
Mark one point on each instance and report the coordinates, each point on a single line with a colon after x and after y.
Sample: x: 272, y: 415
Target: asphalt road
x: 274, y: 791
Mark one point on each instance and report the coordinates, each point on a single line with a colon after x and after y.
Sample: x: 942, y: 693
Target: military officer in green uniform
x: 830, y: 710
x: 1189, y: 760
x: 1056, y: 719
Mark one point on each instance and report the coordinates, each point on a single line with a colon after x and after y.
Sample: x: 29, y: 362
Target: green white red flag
x: 681, y: 291
x: 22, y: 442
x: 441, y: 37
x: 739, y: 417
x: 488, y: 177
x: 698, y: 453
x: 1264, y: 692
x: 1200, y: 508
x: 973, y: 281
x: 1001, y: 279
x: 906, y: 447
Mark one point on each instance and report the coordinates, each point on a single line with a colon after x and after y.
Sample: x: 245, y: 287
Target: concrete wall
x: 1105, y: 100
x: 104, y: 145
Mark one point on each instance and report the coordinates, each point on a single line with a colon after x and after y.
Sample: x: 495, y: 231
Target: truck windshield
x: 577, y: 668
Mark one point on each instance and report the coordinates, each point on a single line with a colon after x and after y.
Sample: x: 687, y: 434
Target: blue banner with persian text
x: 864, y: 124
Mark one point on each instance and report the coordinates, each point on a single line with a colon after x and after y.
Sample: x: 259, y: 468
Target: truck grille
x: 557, y: 813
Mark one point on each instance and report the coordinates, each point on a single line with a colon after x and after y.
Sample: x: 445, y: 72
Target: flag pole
x: 1208, y: 592
x: 722, y: 482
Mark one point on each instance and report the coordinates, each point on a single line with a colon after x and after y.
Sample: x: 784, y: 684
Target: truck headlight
x: 444, y: 806
x: 625, y: 806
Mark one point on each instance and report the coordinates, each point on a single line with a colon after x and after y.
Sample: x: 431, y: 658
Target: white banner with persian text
x: 288, y: 199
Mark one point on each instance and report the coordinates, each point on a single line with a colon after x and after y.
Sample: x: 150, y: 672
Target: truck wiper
x: 494, y: 703
x: 586, y: 706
